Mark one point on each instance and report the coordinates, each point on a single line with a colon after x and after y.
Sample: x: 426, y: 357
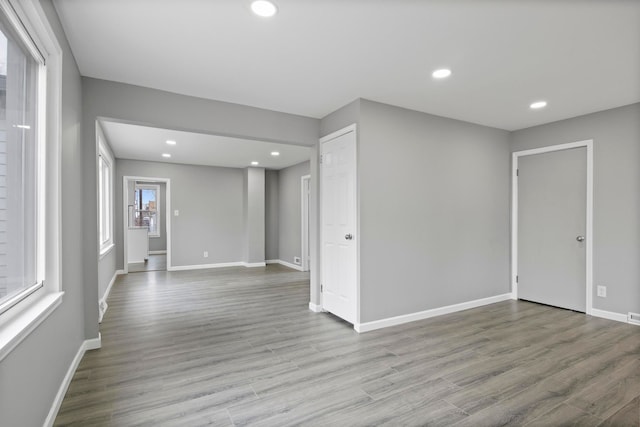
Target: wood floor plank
x: 238, y: 346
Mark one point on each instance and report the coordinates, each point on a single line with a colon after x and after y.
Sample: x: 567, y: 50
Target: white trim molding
x: 62, y: 390
x: 588, y: 144
x: 157, y: 252
x: 426, y: 314
x: 316, y: 308
x: 254, y: 264
x: 218, y: 265
x: 618, y: 317
x: 19, y: 325
x: 102, y: 304
x: 285, y: 263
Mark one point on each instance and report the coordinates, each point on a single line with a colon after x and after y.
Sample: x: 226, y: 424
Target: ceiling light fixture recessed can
x: 275, y: 153
x: 538, y: 104
x: 171, y: 142
x: 166, y: 155
x: 264, y: 8
x: 441, y: 73
x: 254, y: 163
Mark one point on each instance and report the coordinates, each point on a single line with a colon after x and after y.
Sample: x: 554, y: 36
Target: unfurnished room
x: 320, y: 213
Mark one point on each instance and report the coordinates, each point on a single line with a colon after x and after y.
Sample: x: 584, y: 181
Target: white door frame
x: 125, y: 215
x: 305, y: 195
x: 332, y: 136
x: 589, y: 214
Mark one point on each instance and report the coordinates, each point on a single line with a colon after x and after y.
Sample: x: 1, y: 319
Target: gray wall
x: 616, y: 240
x: 289, y: 223
x: 254, y: 224
x: 434, y: 211
x: 271, y: 206
x: 135, y: 104
x: 32, y: 373
x: 211, y: 210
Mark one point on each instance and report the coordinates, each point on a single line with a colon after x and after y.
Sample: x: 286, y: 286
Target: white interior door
x: 339, y: 248
x: 552, y: 207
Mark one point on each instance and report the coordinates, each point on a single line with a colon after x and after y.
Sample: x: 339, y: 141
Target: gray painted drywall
x: 434, y: 211
x: 271, y: 206
x: 341, y: 118
x: 31, y: 374
x: 616, y: 240
x: 290, y: 235
x: 159, y: 243
x: 139, y: 105
x: 254, y: 224
x: 209, y: 200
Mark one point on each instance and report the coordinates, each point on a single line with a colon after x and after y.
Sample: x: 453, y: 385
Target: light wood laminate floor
x: 239, y: 346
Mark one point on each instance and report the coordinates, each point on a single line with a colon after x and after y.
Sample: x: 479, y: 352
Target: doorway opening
x: 147, y: 224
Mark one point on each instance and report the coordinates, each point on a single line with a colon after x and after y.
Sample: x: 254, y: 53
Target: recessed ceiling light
x: 538, y: 104
x: 171, y: 142
x: 254, y: 163
x: 264, y: 8
x: 441, y: 73
x: 275, y: 153
x: 166, y: 155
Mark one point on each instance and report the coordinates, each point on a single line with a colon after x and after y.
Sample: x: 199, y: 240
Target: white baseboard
x: 316, y: 308
x: 618, y: 317
x: 157, y: 252
x: 102, y: 303
x: 62, y: 390
x: 285, y: 263
x: 235, y: 264
x: 93, y: 343
x: 205, y: 266
x: 254, y: 264
x: 420, y: 315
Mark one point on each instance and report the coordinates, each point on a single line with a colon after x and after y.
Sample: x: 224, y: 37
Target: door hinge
x: 321, y: 288
x: 517, y: 172
x: 320, y: 158
x: 516, y: 279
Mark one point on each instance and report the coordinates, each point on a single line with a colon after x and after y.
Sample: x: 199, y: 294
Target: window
x: 105, y: 196
x: 147, y: 208
x: 22, y: 157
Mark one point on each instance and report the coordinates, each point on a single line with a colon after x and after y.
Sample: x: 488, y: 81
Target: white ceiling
x: 147, y: 143
x: 315, y: 56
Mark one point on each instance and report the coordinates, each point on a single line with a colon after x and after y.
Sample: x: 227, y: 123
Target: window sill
x: 17, y: 326
x: 105, y: 251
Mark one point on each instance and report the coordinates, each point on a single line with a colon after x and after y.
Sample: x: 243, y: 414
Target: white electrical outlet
x: 296, y: 260
x: 205, y: 254
x: 602, y: 291
x: 176, y: 213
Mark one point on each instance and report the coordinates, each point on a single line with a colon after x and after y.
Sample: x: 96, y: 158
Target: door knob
x: 580, y: 238
x: 348, y: 236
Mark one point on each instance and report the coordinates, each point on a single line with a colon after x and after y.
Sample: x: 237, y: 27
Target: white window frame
x: 105, y: 198
x: 156, y: 188
x: 24, y: 316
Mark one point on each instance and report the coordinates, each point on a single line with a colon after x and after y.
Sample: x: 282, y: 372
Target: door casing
x: 589, y: 215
